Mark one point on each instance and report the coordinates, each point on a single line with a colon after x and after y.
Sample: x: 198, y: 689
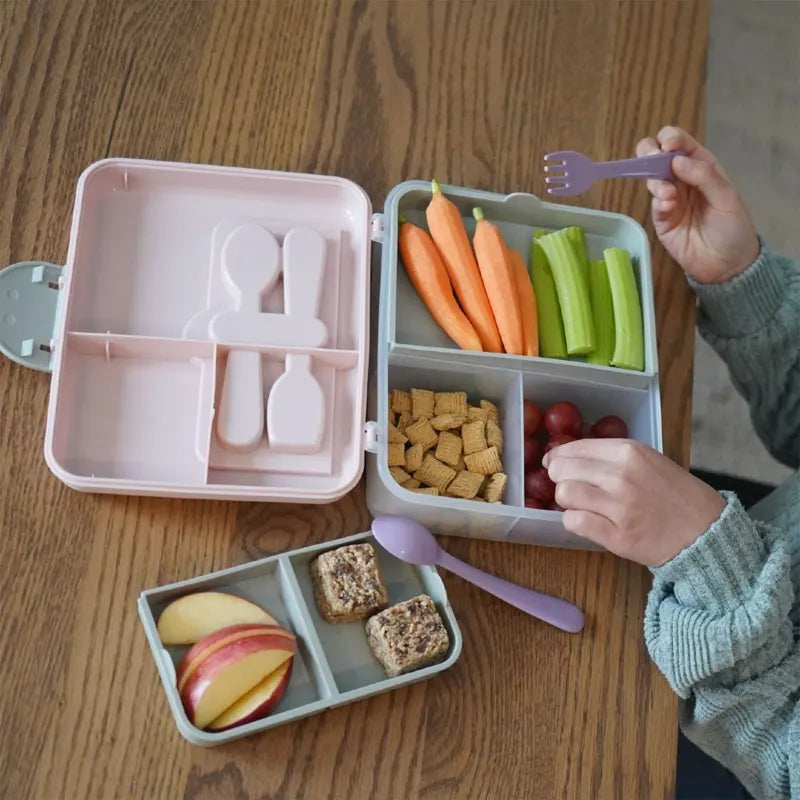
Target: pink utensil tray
x: 211, y: 333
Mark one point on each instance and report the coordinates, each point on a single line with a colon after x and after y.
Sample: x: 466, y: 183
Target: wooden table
x: 378, y: 92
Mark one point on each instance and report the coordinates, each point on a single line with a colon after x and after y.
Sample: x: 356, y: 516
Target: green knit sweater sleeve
x: 753, y: 322
x: 718, y: 625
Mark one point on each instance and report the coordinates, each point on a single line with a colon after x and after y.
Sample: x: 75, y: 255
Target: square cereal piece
x: 487, y: 462
x: 347, y: 583
x: 474, y: 434
x: 465, y: 485
x: 425, y: 490
x: 408, y: 636
x: 448, y: 422
x: 399, y: 474
x: 494, y: 436
x: 474, y: 413
x: 450, y: 403
x: 494, y: 487
x: 412, y: 483
x: 434, y: 473
x: 413, y: 457
x: 395, y: 437
x: 421, y: 432
x: 422, y: 403
x: 397, y: 455
x: 449, y: 448
x: 491, y: 408
x: 400, y: 402
x: 403, y: 421
x: 461, y: 464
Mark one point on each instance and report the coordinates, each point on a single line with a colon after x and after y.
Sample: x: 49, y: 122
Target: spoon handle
x: 554, y: 610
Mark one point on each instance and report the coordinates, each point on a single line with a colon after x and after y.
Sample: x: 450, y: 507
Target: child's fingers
x: 704, y: 176
x: 674, y: 138
x: 666, y: 215
x: 663, y: 190
x: 585, y: 497
x: 663, y: 208
x: 646, y: 147
x: 590, y: 526
x: 586, y: 470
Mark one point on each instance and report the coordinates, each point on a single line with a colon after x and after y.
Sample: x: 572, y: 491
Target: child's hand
x: 701, y: 219
x: 630, y: 499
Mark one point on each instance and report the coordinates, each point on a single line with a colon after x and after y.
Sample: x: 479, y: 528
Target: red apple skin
x: 210, y: 668
x: 267, y: 706
x: 213, y: 642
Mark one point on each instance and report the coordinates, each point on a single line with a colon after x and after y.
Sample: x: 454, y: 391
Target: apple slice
x: 193, y: 616
x: 258, y: 702
x: 214, y: 641
x: 231, y: 672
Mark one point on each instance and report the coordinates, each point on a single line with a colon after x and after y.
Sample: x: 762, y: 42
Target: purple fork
x: 578, y: 173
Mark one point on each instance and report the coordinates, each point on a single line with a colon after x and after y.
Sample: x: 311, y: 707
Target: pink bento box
x: 138, y: 374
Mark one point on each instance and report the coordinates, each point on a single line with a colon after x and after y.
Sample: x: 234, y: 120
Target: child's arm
x: 719, y: 618
x: 749, y: 298
x: 718, y: 626
x: 753, y: 322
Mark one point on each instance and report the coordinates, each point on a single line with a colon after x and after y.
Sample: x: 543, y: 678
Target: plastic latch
x: 376, y: 230
x: 29, y: 300
x: 371, y: 441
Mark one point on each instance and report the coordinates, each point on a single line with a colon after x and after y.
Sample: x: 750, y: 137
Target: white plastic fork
x: 577, y: 173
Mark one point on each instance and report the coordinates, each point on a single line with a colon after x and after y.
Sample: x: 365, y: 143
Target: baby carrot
x: 429, y: 277
x: 450, y: 236
x: 498, y: 278
x: 527, y: 303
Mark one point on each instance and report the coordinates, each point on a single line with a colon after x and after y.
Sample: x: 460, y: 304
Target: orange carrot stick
x: 429, y: 276
x: 498, y: 278
x: 527, y: 303
x: 447, y: 230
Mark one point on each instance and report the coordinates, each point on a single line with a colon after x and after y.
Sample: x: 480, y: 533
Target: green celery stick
x: 579, y: 243
x: 551, y: 328
x: 572, y: 290
x: 603, y: 313
x: 628, y: 325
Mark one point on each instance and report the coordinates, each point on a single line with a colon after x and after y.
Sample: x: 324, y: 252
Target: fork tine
x: 556, y: 180
x: 555, y: 167
x: 559, y: 155
x: 561, y: 191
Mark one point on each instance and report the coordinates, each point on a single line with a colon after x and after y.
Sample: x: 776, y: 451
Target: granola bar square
x: 408, y: 636
x: 348, y: 584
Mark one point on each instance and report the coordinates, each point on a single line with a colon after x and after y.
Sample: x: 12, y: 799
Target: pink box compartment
x: 137, y: 376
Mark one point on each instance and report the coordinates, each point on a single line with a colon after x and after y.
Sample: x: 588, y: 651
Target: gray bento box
x: 333, y: 664
x: 413, y: 352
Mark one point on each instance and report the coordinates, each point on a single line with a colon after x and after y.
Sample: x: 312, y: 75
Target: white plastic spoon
x: 250, y: 268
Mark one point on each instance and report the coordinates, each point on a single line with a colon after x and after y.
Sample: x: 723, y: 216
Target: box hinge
x: 376, y: 233
x: 371, y: 437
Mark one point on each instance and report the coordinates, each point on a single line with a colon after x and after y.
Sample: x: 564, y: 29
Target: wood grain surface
x: 473, y: 92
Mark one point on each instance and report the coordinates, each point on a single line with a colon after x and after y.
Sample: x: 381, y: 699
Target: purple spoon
x: 411, y: 542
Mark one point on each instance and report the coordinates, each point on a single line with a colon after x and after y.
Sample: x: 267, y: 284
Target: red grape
x: 558, y: 439
x: 533, y: 417
x: 539, y: 486
x: 610, y: 427
x: 563, y: 417
x: 532, y: 453
x: 531, y: 503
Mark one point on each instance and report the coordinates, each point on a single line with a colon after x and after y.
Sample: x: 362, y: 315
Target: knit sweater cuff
x: 748, y: 301
x: 718, y: 571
